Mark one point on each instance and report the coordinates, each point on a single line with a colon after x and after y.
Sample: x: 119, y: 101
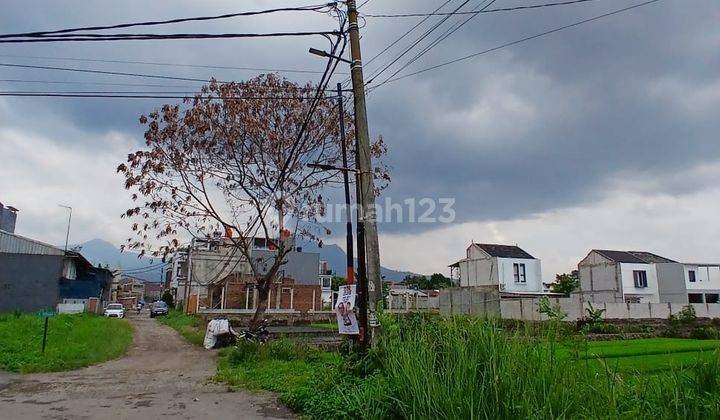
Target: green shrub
x: 603, y: 328
x: 705, y: 333
x: 687, y: 314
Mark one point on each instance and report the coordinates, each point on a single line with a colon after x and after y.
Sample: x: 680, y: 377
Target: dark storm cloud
x: 534, y: 127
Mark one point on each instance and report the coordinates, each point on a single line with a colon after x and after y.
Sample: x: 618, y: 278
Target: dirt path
x: 162, y: 377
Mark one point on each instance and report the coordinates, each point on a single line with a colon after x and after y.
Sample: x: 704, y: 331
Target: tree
x: 233, y: 160
x: 565, y: 284
x: 167, y: 297
x: 435, y: 281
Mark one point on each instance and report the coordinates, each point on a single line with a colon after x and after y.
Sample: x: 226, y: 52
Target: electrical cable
x: 505, y: 9
x: 154, y: 63
x: 442, y: 37
x: 163, y: 22
x: 145, y: 37
x: 414, y: 44
x: 521, y: 40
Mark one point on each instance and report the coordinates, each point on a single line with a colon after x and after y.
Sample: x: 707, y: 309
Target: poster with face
x: 344, y: 310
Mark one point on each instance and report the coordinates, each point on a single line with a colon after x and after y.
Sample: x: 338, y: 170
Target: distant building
x: 8, y: 216
x: 203, y: 272
x: 153, y: 291
x: 505, y: 268
x: 37, y: 276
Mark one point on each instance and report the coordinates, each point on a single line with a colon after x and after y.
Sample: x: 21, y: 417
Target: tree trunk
x: 263, y: 292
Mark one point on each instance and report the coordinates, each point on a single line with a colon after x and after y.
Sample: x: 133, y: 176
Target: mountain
x: 100, y: 252
x: 337, y: 260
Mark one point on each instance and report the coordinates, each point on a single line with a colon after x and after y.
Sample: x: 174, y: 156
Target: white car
x: 115, y: 310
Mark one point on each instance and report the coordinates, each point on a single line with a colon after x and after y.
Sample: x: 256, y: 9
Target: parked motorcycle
x: 260, y: 334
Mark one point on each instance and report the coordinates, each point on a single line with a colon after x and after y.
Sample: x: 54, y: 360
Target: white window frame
x: 692, y: 276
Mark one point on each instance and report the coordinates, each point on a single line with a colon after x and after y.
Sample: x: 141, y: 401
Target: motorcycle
x: 260, y: 334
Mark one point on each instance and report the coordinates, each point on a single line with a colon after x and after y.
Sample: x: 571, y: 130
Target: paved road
x: 162, y: 377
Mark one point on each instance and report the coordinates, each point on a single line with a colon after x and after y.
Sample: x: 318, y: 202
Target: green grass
x: 432, y: 368
x: 73, y: 341
x: 189, y: 326
x: 647, y: 355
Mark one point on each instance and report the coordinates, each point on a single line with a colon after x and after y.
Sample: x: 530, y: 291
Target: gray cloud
x: 539, y: 126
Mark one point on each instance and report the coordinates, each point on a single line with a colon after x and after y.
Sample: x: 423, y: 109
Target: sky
x: 604, y: 135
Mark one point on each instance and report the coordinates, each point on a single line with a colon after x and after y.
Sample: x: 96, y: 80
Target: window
x: 640, y: 277
x: 519, y: 273
x: 712, y: 298
x: 695, y: 297
x: 691, y: 276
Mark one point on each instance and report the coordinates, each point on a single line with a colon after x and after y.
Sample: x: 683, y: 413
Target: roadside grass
x: 73, y: 341
x: 189, y: 326
x: 428, y: 368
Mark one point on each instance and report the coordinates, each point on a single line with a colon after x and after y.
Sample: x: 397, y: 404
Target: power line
x: 519, y: 41
x: 505, y: 9
x: 164, y: 22
x: 422, y: 37
x: 84, y: 37
x: 145, y: 96
x: 392, y: 44
x: 441, y: 38
x: 154, y: 63
x: 107, y: 72
x: 62, y: 82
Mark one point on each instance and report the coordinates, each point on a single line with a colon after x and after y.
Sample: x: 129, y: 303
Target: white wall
x: 706, y: 277
x: 478, y: 272
x: 533, y: 275
x: 647, y: 294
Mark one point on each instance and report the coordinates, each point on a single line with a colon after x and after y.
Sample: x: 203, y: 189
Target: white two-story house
x: 506, y: 267
x: 621, y: 276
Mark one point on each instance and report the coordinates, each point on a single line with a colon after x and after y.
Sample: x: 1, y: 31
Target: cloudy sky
x: 604, y: 135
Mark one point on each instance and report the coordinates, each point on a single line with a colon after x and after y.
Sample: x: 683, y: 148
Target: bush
x: 705, y: 333
x: 603, y: 328
x: 687, y: 315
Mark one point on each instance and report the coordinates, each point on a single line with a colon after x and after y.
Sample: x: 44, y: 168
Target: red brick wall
x: 302, y: 299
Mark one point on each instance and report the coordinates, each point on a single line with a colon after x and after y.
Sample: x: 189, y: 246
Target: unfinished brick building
x: 240, y: 293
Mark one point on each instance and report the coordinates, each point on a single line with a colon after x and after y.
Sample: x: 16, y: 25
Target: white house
x: 505, y: 267
x: 702, y: 282
x: 621, y: 276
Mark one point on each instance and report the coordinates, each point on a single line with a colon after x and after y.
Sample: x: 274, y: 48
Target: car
x: 115, y: 310
x: 158, y: 308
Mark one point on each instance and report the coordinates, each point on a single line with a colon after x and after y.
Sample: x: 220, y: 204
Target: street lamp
x: 67, y: 235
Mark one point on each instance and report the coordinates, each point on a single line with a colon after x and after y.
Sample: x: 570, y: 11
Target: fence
x: 488, y: 303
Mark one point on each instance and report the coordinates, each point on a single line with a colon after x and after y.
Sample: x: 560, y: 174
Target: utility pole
x: 346, y: 181
x: 366, y: 196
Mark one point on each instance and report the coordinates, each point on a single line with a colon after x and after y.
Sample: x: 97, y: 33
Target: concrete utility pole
x: 366, y: 198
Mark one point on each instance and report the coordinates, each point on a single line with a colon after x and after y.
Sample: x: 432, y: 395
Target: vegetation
x: 435, y: 281
x: 189, y: 326
x: 565, y: 284
x: 212, y: 166
x: 73, y: 341
x: 167, y: 297
x: 429, y: 367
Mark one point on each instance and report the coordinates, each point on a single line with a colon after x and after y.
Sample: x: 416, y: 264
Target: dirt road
x: 162, y: 377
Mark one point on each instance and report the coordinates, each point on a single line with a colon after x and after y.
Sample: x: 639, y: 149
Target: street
x: 161, y: 376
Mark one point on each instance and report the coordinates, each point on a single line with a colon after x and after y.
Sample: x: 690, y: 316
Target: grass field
x: 648, y: 355
x: 190, y: 327
x: 427, y: 368
x: 73, y: 341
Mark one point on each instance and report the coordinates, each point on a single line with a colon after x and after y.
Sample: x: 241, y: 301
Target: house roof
x: 633, y: 257
x: 650, y: 257
x: 505, y: 251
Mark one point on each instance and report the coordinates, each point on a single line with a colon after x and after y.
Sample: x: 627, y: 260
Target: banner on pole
x: 345, y: 310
